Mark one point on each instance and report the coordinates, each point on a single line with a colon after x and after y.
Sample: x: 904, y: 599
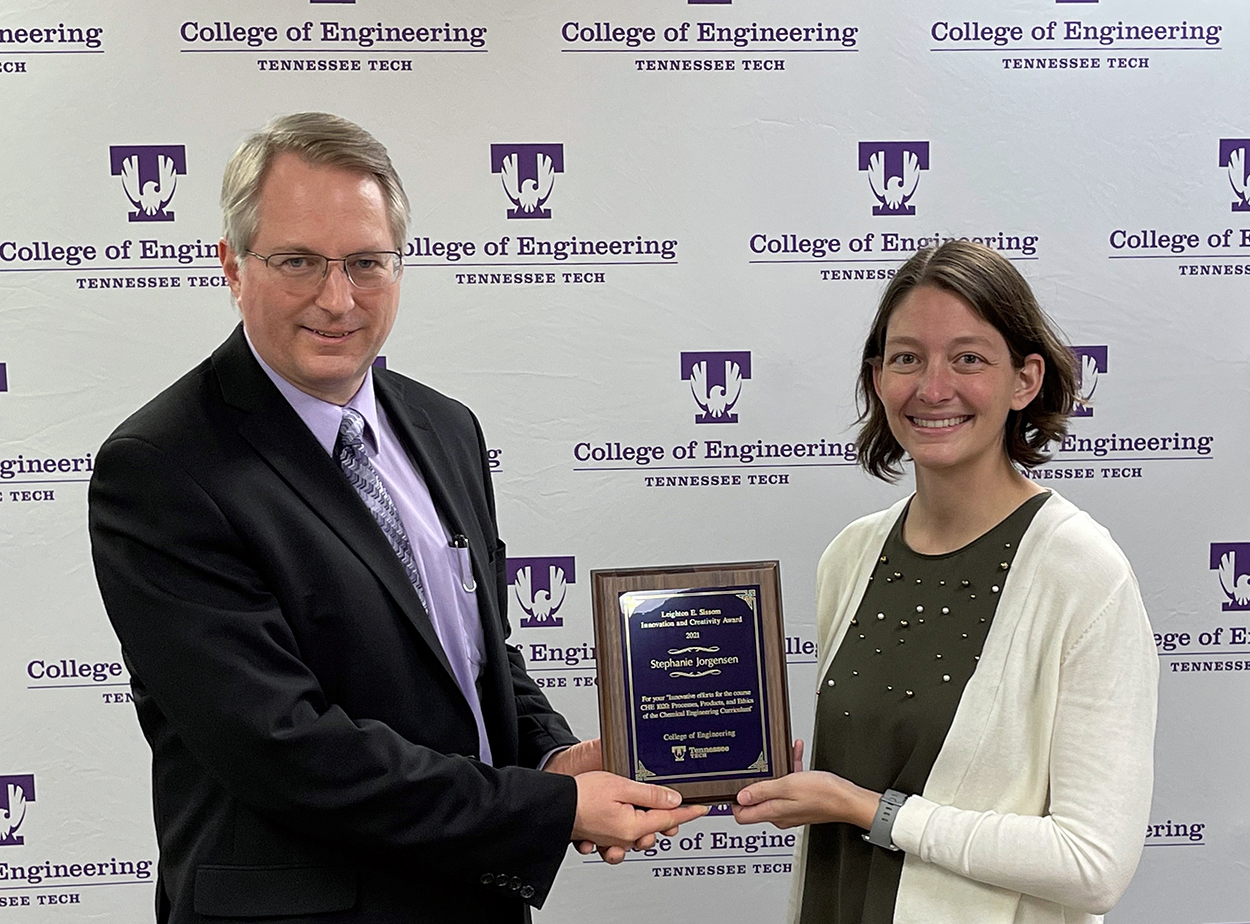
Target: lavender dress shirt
x: 446, y: 570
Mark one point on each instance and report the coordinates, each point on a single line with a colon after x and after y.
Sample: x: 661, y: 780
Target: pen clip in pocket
x: 464, y: 562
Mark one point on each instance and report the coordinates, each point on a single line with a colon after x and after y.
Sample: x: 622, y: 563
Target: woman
x: 987, y: 682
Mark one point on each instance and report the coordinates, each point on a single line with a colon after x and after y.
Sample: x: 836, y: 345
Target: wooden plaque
x: 692, y: 676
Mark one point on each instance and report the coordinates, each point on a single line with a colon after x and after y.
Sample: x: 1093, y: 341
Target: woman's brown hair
x: 996, y: 292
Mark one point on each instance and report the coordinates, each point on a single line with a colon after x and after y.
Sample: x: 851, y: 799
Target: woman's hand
x: 806, y: 798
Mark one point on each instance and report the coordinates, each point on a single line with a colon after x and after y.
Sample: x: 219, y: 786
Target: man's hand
x: 587, y: 757
x: 583, y: 758
x: 580, y: 758
x: 619, y: 814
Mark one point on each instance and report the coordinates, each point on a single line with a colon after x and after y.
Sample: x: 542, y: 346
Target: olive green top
x: 889, y: 698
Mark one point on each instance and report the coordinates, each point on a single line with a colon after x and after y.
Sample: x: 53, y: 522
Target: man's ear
x: 231, y: 266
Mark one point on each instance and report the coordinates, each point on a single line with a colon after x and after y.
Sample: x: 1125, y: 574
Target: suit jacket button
x: 527, y: 892
x: 501, y: 880
x: 515, y: 884
x: 487, y: 878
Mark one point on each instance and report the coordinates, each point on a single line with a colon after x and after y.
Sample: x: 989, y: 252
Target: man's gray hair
x: 318, y: 138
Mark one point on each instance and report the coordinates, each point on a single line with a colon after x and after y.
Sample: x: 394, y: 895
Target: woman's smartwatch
x: 883, y: 825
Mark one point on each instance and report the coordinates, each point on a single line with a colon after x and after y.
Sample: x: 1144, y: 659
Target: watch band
x: 883, y: 825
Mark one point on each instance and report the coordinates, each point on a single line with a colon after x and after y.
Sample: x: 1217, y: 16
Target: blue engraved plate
x: 694, y: 674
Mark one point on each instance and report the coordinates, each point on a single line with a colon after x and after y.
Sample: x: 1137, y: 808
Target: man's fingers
x: 670, y: 820
x: 612, y: 855
x: 688, y: 813
x: 798, y: 755
x: 616, y: 811
x: 649, y: 795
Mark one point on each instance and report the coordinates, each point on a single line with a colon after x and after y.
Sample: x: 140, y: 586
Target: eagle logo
x: 16, y: 791
x: 716, y: 401
x: 528, y: 173
x: 149, y: 174
x: 893, y: 169
x: 1238, y: 179
x: 149, y: 198
x: 540, y: 605
x: 716, y: 382
x: 527, y: 195
x: 1230, y: 559
x: 540, y: 586
x: 1091, y: 362
x: 1236, y: 586
x: 1089, y: 382
x: 893, y: 192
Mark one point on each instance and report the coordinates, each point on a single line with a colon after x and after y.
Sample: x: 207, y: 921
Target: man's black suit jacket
x: 313, y: 757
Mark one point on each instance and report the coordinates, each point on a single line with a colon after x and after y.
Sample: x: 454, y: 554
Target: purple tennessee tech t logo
x: 893, y: 173
x: 1233, y: 156
x: 716, y: 383
x: 528, y: 172
x: 1232, y: 561
x: 15, y: 793
x: 1091, y: 362
x: 4, y: 377
x: 540, y: 586
x: 149, y: 175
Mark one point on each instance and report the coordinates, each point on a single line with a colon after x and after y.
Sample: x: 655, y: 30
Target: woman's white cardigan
x: 1037, y: 805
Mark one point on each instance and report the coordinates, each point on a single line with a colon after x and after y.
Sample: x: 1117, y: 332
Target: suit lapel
x: 412, y: 426
x: 276, y: 432
x: 451, y: 497
x: 446, y: 484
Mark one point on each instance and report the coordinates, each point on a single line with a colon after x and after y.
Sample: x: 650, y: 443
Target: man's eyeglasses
x: 374, y: 269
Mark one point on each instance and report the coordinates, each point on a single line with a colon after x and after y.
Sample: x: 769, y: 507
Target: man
x: 299, y: 555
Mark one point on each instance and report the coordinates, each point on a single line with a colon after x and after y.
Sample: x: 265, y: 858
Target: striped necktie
x: 365, y: 480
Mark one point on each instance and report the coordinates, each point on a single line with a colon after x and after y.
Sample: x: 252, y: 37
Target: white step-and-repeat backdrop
x: 728, y: 183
